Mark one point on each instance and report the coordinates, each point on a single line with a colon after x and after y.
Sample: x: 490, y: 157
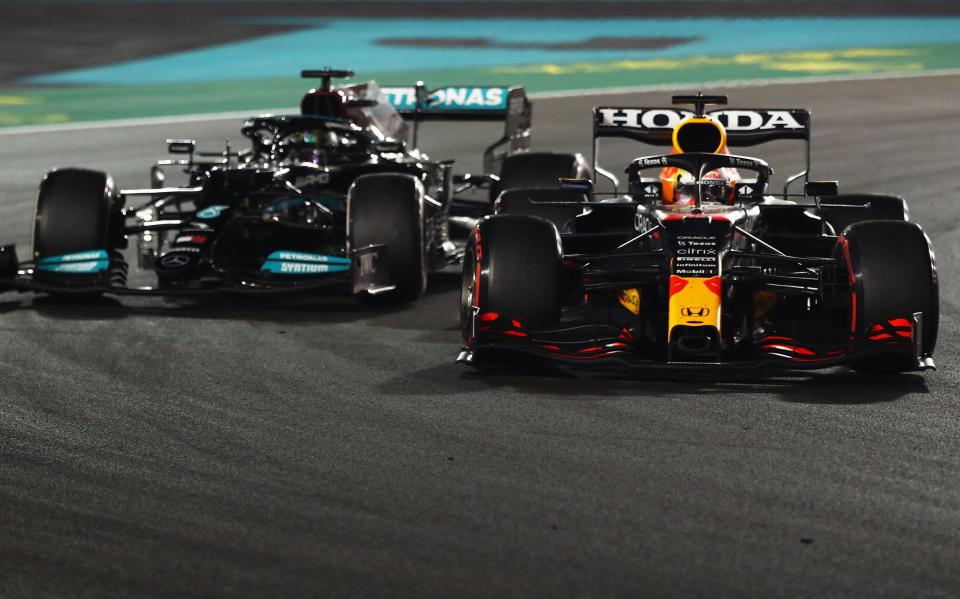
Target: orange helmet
x: 698, y: 134
x: 716, y: 187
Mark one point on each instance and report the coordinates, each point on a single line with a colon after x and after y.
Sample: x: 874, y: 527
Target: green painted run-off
x: 40, y: 105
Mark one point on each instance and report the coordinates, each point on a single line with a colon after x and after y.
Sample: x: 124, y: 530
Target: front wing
x: 581, y: 345
x: 368, y: 272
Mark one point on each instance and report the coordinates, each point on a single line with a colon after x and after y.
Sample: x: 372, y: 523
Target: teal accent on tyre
x: 76, y: 263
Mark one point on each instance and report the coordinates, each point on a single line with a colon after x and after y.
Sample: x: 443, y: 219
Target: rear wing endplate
x: 744, y: 127
x: 470, y: 103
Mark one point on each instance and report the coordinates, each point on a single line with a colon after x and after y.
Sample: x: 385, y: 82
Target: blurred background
x: 88, y: 60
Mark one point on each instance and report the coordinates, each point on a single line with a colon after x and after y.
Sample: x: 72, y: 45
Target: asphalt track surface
x: 318, y: 448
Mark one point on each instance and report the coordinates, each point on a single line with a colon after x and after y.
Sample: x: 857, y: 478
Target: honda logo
x: 699, y: 312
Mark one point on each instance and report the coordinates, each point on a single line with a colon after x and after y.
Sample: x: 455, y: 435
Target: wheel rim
x: 468, y: 292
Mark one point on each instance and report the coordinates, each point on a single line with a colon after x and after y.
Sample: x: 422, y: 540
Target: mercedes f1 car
x: 338, y: 195
x: 698, y: 265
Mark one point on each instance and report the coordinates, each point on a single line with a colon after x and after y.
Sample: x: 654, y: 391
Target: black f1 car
x: 699, y: 266
x: 333, y: 196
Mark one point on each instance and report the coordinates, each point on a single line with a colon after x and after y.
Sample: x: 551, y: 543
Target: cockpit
x: 296, y: 139
x: 699, y: 171
x: 337, y: 126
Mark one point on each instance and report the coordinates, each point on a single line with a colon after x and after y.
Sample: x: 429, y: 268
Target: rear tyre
x: 512, y: 267
x: 388, y: 209
x: 79, y: 210
x: 538, y: 169
x: 894, y: 276
x: 877, y: 207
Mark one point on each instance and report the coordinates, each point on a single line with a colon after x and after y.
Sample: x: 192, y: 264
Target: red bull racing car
x: 698, y: 265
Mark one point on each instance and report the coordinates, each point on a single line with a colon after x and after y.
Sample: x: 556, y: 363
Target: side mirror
x: 361, y: 103
x: 157, y: 177
x: 388, y: 146
x: 181, y: 146
x: 580, y: 185
x: 821, y: 189
x: 476, y: 181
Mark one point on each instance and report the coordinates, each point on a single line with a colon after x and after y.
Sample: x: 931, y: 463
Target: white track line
x: 141, y: 122
x: 736, y: 83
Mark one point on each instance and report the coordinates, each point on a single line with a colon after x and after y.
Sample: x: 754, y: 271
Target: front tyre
x: 388, y: 209
x: 78, y: 229
x: 894, y: 276
x: 511, y: 270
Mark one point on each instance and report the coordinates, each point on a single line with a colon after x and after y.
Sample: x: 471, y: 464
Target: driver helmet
x: 322, y: 140
x: 314, y: 145
x: 717, y: 187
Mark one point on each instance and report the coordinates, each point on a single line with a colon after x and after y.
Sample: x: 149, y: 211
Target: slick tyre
x: 76, y: 212
x: 512, y: 268
x: 79, y: 210
x: 538, y: 169
x: 875, y: 207
x: 894, y: 276
x: 389, y: 209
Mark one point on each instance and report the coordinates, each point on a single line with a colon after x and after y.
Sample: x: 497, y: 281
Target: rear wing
x: 744, y: 127
x: 469, y: 103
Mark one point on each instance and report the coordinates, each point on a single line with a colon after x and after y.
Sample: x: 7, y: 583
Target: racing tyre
x: 877, y: 207
x: 538, y: 169
x: 79, y: 211
x: 388, y: 209
x: 512, y: 268
x: 894, y: 275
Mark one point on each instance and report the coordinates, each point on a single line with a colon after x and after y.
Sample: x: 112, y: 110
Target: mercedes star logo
x: 175, y: 260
